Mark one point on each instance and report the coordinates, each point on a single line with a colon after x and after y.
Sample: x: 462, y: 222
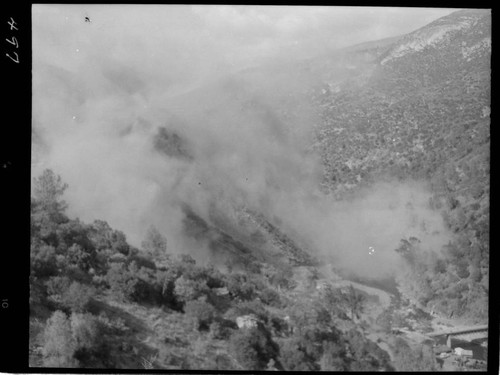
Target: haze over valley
x: 209, y: 149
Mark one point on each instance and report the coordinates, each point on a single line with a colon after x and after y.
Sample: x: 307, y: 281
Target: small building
x: 221, y: 291
x: 442, y: 349
x: 322, y: 285
x: 463, y: 352
x: 247, y: 321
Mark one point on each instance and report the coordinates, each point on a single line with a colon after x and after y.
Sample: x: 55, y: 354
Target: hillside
x: 420, y: 109
x: 98, y: 302
x: 241, y: 181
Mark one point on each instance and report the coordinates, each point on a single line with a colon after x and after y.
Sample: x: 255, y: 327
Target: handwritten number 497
x: 13, y: 41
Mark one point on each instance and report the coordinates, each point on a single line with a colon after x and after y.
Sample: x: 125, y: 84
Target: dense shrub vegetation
x: 81, y: 273
x: 96, y: 301
x: 422, y: 116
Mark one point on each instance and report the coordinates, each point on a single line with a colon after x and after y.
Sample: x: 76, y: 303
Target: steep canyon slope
x: 419, y: 107
x: 301, y: 189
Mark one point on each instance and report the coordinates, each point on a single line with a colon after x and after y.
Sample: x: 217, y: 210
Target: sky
x: 103, y: 88
x: 197, y: 40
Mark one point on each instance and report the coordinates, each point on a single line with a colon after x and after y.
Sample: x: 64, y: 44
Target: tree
x: 85, y: 329
x: 253, y: 348
x: 187, y: 259
x: 57, y: 286
x: 37, y: 295
x: 333, y: 358
x: 78, y: 297
x: 294, y: 358
x: 79, y: 258
x: 335, y: 301
x: 92, y: 349
x: 69, y: 295
x: 43, y: 260
x: 355, y: 302
x: 201, y: 311
x: 241, y: 286
x: 100, y: 234
x: 282, y: 278
x: 271, y: 297
x: 74, y: 232
x: 189, y: 289
x: 406, y: 358
x: 48, y: 189
x: 408, y: 249
x: 166, y: 282
x: 47, y: 209
x: 148, y: 288
x: 121, y: 282
x: 58, y: 342
x: 155, y: 244
x: 302, y: 315
x: 134, y: 283
x: 366, y: 355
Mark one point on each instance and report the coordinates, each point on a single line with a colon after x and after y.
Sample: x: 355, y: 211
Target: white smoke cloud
x: 101, y: 90
x: 377, y: 217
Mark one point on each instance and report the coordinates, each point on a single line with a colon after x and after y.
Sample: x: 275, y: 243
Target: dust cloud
x: 216, y: 78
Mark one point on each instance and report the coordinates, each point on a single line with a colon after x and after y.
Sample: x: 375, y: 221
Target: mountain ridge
x: 435, y: 33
